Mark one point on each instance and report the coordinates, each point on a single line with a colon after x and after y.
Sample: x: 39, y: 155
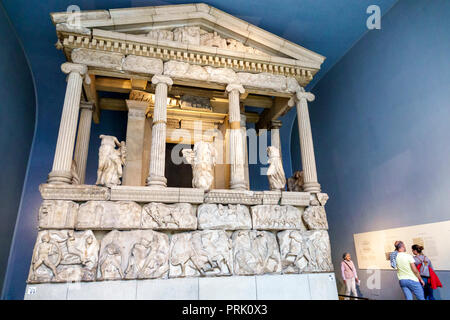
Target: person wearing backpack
x: 423, y: 264
x: 349, y: 275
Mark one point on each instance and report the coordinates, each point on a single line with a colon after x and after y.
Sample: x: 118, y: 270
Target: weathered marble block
x: 142, y: 64
x: 295, y: 198
x: 275, y: 217
x: 160, y: 216
x: 305, y: 251
x: 255, y: 252
x: 145, y: 194
x: 315, y: 218
x: 94, y: 58
x: 106, y: 215
x: 136, y: 254
x: 224, y: 217
x: 57, y: 214
x: 200, y: 253
x: 80, y: 192
x: 64, y: 256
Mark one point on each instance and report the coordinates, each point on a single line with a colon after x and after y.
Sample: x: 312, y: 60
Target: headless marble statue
x: 275, y: 173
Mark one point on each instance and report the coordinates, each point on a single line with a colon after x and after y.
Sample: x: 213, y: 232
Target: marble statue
x: 224, y: 217
x: 305, y: 251
x: 200, y: 253
x: 73, y: 171
x: 276, y: 217
x: 255, y: 252
x: 275, y: 173
x: 64, y: 256
x: 315, y: 218
x: 57, y: 214
x: 203, y: 160
x: 104, y: 215
x: 295, y: 183
x: 137, y: 254
x: 110, y: 161
x: 160, y: 216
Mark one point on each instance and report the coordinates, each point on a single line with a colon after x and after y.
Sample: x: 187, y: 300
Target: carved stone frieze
x: 255, y: 252
x: 142, y: 64
x: 64, y: 256
x: 94, y: 58
x: 160, y: 216
x: 57, y: 214
x: 225, y: 217
x: 305, y: 251
x: 200, y: 253
x: 137, y: 254
x: 300, y: 199
x: 276, y: 217
x: 106, y: 215
x: 315, y: 218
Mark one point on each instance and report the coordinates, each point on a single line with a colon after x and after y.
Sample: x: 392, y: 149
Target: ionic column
x: 275, y: 140
x: 237, y: 172
x: 132, y: 172
x: 62, y: 161
x: 156, y: 176
x: 244, y: 145
x: 306, y: 142
x: 83, y: 136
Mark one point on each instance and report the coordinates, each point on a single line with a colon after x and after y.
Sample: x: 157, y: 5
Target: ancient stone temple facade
x: 185, y: 74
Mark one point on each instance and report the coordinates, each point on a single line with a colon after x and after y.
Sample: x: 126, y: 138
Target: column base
x: 156, y: 181
x: 238, y: 185
x: 60, y: 177
x: 312, y: 187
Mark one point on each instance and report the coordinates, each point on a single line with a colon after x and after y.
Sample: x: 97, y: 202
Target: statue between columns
x: 275, y: 173
x: 110, y: 161
x: 203, y: 160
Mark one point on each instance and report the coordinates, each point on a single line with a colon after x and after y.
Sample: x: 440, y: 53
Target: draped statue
x: 110, y: 161
x: 275, y: 173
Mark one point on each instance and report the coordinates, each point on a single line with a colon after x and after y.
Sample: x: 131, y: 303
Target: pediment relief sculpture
x: 196, y: 36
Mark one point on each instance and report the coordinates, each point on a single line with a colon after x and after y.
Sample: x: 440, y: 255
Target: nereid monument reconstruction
x: 188, y: 72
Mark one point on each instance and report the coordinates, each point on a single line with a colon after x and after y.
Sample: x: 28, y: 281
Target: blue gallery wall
x: 17, y: 123
x: 381, y: 128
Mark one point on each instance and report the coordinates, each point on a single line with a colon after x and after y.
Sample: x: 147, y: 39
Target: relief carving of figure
x: 110, y: 267
x: 200, y: 253
x: 203, y: 160
x: 295, y: 183
x: 44, y: 252
x: 275, y: 173
x: 110, y: 161
x: 64, y: 255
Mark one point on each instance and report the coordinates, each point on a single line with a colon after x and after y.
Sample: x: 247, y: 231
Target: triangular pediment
x: 199, y: 27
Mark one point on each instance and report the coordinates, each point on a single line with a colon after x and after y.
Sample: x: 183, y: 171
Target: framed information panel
x: 373, y: 248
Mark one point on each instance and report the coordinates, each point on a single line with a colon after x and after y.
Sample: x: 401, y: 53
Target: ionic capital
x: 235, y: 86
x: 68, y: 67
x: 157, y: 78
x: 305, y: 95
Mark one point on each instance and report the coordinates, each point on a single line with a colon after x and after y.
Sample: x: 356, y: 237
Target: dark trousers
x: 427, y: 290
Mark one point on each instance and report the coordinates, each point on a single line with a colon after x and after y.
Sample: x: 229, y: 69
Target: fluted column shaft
x: 237, y: 171
x: 156, y: 176
x: 62, y: 162
x: 306, y: 143
x: 83, y: 136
